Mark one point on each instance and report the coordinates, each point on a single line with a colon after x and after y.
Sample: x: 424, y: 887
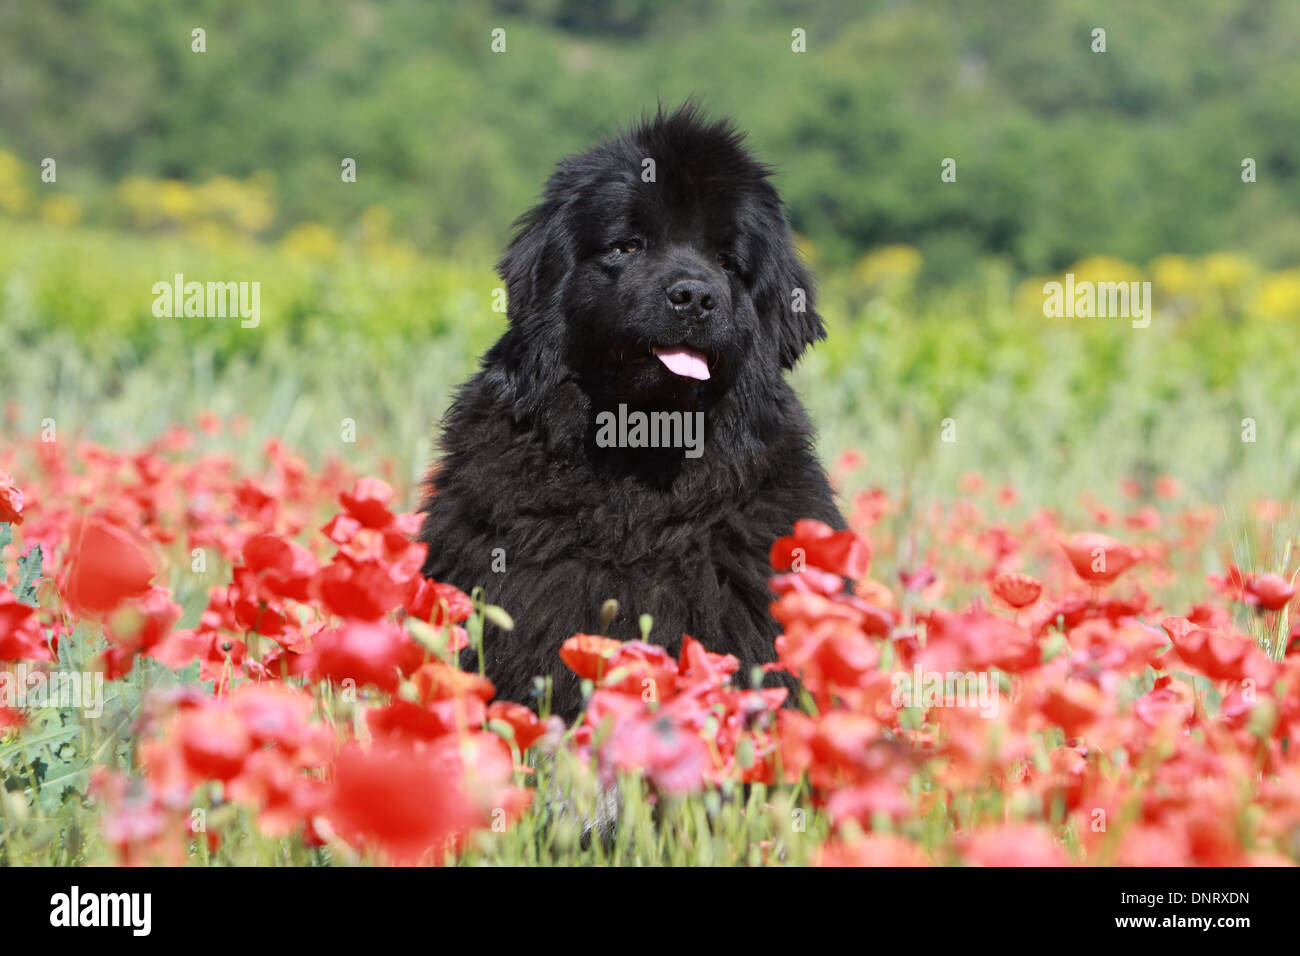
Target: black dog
x: 655, y: 282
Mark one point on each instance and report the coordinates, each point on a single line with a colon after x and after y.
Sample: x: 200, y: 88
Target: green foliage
x: 1060, y: 151
x: 45, y: 759
x: 1052, y: 406
x: 29, y: 572
x: 73, y: 722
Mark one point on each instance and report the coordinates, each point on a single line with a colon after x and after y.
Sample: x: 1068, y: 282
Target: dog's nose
x: 692, y: 298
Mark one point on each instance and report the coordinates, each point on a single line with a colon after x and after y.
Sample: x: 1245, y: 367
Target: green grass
x: 1058, y: 409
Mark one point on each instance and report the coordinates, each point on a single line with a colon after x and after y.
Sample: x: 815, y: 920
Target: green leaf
x: 29, y: 573
x: 37, y: 735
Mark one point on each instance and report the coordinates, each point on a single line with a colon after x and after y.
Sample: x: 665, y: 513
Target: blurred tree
x: 1060, y: 151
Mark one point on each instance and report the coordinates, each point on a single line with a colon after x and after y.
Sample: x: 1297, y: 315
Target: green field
x: 1053, y: 406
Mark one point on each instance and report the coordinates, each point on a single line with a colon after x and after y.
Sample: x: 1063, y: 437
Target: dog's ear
x: 535, y: 260
x: 527, y: 359
x: 784, y: 296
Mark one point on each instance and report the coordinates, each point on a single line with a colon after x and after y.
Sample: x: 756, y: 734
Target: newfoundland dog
x: 632, y: 434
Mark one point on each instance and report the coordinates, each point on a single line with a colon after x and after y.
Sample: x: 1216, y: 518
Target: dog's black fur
x: 684, y: 540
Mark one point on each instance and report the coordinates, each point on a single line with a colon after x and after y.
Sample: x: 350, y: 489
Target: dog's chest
x: 703, y: 573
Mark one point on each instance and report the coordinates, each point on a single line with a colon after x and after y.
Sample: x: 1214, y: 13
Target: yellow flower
x: 136, y: 196
x: 1029, y: 298
x: 888, y: 265
x: 1279, y: 295
x: 245, y: 205
x: 61, y: 211
x: 399, y: 255
x: 13, y: 188
x: 175, y: 200
x: 1227, y: 271
x: 311, y: 241
x: 1175, y: 276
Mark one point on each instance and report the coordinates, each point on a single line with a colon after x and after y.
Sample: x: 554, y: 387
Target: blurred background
x: 376, y: 294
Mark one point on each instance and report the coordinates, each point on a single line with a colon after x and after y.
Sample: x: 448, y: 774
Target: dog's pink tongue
x: 685, y: 362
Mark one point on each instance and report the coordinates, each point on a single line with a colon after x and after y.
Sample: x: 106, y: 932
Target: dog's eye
x: 627, y: 246
x: 727, y: 263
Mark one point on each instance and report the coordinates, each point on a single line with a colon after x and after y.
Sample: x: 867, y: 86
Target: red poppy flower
x: 11, y: 501
x: 253, y: 499
x: 397, y: 799
x: 829, y: 655
x: 283, y: 568
x: 867, y: 800
x: 527, y: 728
x: 1216, y: 653
x: 366, y: 652
x: 1073, y: 706
x: 815, y: 544
x: 1269, y: 591
x: 587, y: 655
x: 1012, y: 844
x: 365, y: 591
x: 138, y: 628
x: 917, y: 580
x: 1164, y: 706
x: 641, y: 669
x: 671, y: 756
x: 1073, y: 611
x: 1231, y: 585
x: 814, y: 609
x: 20, y: 633
x: 106, y: 565
x: 428, y: 721
x: 274, y: 713
x: 979, y: 638
x: 342, y: 528
x: 701, y: 666
x: 285, y: 798
x: 438, y: 681
x: 368, y: 502
x: 1168, y: 487
x: 214, y: 742
x: 437, y: 603
x: 809, y: 580
x: 1017, y: 590
x: 177, y: 649
x: 10, y: 719
x: 1099, y: 558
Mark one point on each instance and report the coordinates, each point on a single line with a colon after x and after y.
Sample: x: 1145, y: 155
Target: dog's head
x: 661, y: 266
